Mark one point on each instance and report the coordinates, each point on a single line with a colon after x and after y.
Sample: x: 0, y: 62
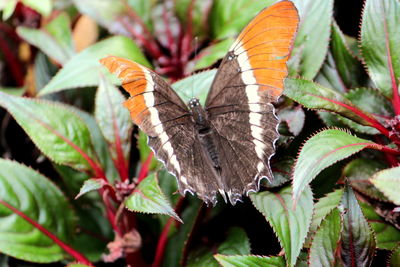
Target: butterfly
x: 225, y: 146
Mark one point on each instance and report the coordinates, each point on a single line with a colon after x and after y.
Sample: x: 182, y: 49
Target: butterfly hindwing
x: 162, y: 115
x: 239, y: 107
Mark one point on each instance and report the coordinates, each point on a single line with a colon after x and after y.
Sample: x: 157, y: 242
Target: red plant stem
x: 374, y: 123
x: 381, y: 148
x: 9, y: 31
x: 79, y: 257
x: 110, y: 211
x: 163, y: 240
x: 145, y: 168
x: 171, y: 42
x: 391, y: 159
x: 188, y: 35
x: 13, y: 63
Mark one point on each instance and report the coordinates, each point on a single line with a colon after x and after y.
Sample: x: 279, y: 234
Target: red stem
x: 171, y: 42
x: 391, y: 160
x: 110, y: 211
x: 13, y: 63
x: 382, y: 148
x: 145, y: 168
x: 79, y: 257
x: 163, y: 239
x: 373, y: 122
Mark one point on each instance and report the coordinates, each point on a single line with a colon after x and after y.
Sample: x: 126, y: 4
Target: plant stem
x: 145, y: 168
x: 79, y: 257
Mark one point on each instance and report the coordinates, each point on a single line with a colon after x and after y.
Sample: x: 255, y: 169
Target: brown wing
x: 162, y: 115
x: 239, y: 105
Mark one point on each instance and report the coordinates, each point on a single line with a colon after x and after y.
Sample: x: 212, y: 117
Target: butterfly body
x: 226, y: 146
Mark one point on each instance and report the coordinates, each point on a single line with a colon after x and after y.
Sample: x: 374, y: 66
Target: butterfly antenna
x: 195, y: 56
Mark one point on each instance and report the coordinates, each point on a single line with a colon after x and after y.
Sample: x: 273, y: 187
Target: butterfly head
x: 194, y: 102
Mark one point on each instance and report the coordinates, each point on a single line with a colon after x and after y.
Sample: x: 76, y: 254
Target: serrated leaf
x: 386, y: 235
x: 55, y: 39
x: 314, y: 96
x: 321, y: 151
x: 84, y: 68
x: 357, y: 239
x: 394, y: 260
x: 57, y: 131
x: 38, y: 198
x: 148, y: 198
x: 325, y: 241
x: 358, y: 173
x: 291, y: 226
x: 91, y: 185
x: 43, y: 6
x: 311, y: 44
x: 196, y: 85
x: 388, y: 182
x: 349, y: 68
x: 380, y: 36
x: 213, y: 53
x: 114, y: 121
x: 322, y: 208
x: 176, y: 246
x: 249, y: 261
x: 224, y: 19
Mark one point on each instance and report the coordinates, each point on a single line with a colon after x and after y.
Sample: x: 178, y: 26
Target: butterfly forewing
x: 239, y: 102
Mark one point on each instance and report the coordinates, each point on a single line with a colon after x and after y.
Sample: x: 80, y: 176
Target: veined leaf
x: 388, y: 182
x: 380, y: 36
x: 148, y: 198
x: 57, y: 131
x: 386, y: 235
x: 39, y: 199
x: 357, y: 239
x: 321, y: 151
x: 291, y: 226
x: 311, y: 44
x: 322, y: 208
x: 90, y: 185
x: 359, y: 172
x: 250, y: 261
x: 196, y: 85
x: 325, y: 242
x: 224, y: 19
x: 115, y: 123
x: 395, y: 257
x: 84, y: 68
x: 55, y: 39
x: 314, y: 96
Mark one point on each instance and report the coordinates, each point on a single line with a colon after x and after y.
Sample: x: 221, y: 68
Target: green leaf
x: 281, y: 171
x: 196, y: 85
x: 321, y: 151
x: 386, y: 235
x: 56, y: 130
x: 224, y: 19
x: 17, y: 91
x: 144, y: 9
x: 176, y: 246
x: 44, y: 7
x: 39, y: 199
x: 237, y: 243
x: 83, y: 69
x: 148, y: 198
x: 358, y: 173
x: 249, y: 261
x: 311, y: 44
x: 394, y: 258
x: 55, y: 39
x: 325, y: 241
x: 357, y: 239
x: 213, y: 53
x: 291, y: 226
x: 328, y: 76
x: 91, y: 185
x: 294, y: 118
x: 9, y: 8
x: 314, y: 96
x: 77, y: 265
x: 322, y: 208
x: 349, y: 68
x: 114, y: 120
x: 199, y: 19
x: 380, y: 36
x: 388, y: 182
